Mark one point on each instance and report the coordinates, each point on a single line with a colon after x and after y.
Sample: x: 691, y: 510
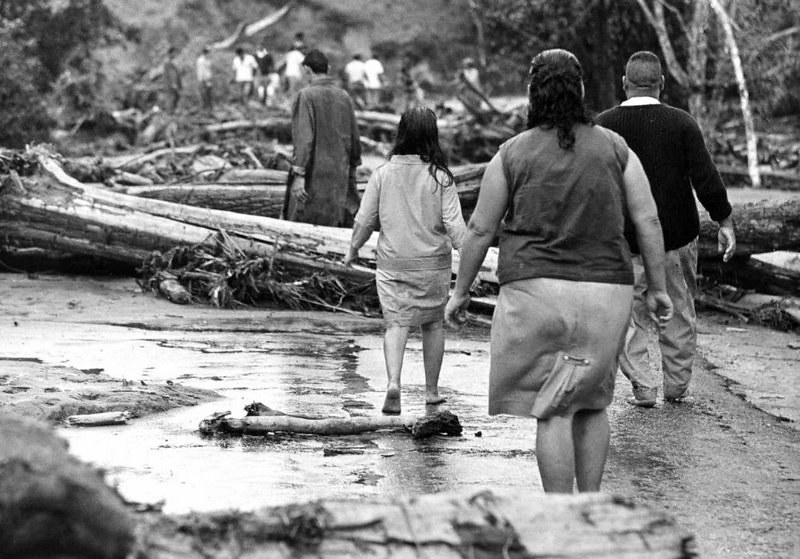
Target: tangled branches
x: 228, y: 278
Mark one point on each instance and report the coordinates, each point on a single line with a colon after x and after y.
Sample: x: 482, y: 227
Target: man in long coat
x: 327, y: 151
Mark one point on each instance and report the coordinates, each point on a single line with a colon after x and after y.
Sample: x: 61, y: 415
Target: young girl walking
x: 412, y: 199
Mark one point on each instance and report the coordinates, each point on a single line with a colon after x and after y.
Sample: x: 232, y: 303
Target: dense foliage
x: 603, y: 33
x: 42, y: 46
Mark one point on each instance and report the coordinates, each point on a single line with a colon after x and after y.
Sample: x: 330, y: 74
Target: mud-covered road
x: 726, y: 466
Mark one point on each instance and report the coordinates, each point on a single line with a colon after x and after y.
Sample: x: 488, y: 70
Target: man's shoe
x: 643, y: 397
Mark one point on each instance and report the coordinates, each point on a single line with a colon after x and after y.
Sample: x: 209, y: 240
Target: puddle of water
x: 163, y: 457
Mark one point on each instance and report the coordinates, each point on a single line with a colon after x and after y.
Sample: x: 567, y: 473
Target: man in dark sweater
x: 675, y: 158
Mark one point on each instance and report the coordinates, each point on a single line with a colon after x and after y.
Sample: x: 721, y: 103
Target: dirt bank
x: 36, y: 390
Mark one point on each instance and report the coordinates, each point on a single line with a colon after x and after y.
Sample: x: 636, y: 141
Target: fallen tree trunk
x: 99, y: 419
x: 51, y: 210
x: 248, y: 30
x: 261, y: 191
x: 277, y: 126
x: 782, y: 180
x: 761, y: 226
x: 518, y: 524
x: 441, y: 422
x: 254, y: 199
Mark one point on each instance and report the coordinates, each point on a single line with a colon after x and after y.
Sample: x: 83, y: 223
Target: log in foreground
x: 51, y: 504
x: 522, y: 524
x: 440, y: 422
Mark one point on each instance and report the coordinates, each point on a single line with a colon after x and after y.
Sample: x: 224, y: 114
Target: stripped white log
x: 99, y: 419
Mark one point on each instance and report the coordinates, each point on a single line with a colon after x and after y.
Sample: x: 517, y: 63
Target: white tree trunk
x: 744, y: 96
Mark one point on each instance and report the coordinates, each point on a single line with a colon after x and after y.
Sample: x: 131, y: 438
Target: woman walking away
x: 561, y: 189
x: 413, y: 200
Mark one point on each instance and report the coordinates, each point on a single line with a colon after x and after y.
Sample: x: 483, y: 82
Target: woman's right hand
x: 455, y: 312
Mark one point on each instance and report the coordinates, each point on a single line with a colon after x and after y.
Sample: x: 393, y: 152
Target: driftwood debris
x: 99, y: 419
x: 439, y: 422
x: 248, y: 30
x: 484, y: 523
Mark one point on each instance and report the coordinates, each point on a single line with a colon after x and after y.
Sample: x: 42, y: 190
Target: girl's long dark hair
x: 418, y: 134
x: 555, y: 94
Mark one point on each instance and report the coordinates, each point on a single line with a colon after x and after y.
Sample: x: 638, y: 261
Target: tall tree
x: 693, y: 72
x: 601, y: 33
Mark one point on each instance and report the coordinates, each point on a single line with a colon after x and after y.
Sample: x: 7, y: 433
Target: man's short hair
x: 316, y: 61
x: 643, y: 70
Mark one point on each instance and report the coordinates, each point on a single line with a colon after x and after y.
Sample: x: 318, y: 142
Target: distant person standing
x: 412, y: 93
x: 266, y: 70
x: 356, y: 77
x: 244, y: 73
x: 172, y: 82
x: 205, y: 79
x: 327, y: 151
x: 469, y: 86
x: 293, y: 68
x: 373, y: 72
x: 300, y: 42
x: 676, y: 160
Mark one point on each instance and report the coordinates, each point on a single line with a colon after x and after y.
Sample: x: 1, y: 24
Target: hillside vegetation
x: 438, y: 31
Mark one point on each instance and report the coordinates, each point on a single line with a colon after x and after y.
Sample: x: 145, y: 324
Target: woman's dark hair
x: 418, y: 134
x: 555, y: 94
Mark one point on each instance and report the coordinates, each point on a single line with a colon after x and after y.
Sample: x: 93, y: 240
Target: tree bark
x: 440, y: 422
x: 760, y: 227
x: 473, y: 523
x: 261, y: 191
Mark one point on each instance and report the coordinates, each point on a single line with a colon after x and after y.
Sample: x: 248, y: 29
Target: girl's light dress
x: 420, y: 223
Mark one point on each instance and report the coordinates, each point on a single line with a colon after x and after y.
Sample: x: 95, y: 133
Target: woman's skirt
x: 554, y: 346
x: 412, y: 297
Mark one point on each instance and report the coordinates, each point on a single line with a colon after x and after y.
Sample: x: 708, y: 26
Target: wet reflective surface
x: 727, y: 471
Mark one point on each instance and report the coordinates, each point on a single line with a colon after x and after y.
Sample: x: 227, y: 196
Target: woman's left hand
x: 350, y: 256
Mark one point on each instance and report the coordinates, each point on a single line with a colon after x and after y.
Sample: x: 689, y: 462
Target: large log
x: 261, y: 191
x: 254, y: 199
x: 51, y: 210
x: 761, y: 226
x: 475, y: 523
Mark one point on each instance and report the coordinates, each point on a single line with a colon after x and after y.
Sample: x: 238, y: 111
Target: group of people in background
x: 255, y: 76
x: 596, y: 229
x: 260, y: 76
x: 365, y: 81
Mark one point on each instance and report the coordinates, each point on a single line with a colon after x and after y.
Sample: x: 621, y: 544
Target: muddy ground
x: 727, y: 466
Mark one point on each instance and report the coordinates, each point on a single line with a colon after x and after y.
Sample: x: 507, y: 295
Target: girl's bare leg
x: 432, y: 356
x: 394, y: 347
